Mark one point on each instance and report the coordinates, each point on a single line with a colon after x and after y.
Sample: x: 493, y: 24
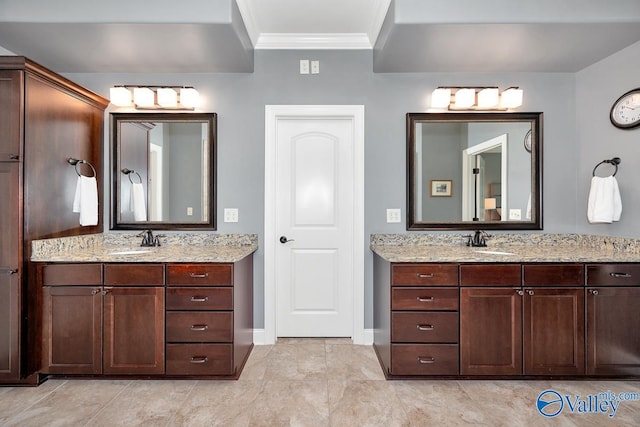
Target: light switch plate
x: 315, y: 67
x: 230, y: 215
x: 304, y: 66
x: 515, y: 214
x: 394, y: 215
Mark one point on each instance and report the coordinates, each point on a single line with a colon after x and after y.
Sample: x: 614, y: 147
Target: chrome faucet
x: 479, y: 239
x: 148, y: 239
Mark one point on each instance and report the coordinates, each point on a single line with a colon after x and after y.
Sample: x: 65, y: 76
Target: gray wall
x: 597, y: 88
x: 346, y: 78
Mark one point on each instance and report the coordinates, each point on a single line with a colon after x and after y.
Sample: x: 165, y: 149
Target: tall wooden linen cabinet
x: 44, y: 120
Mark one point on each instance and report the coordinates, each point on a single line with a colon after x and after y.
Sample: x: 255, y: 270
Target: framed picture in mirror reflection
x: 441, y: 187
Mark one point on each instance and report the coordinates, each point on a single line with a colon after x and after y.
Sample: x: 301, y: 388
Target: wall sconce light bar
x: 155, y: 97
x: 476, y: 98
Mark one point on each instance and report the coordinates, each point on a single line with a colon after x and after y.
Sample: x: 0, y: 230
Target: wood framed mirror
x: 163, y: 171
x: 474, y: 171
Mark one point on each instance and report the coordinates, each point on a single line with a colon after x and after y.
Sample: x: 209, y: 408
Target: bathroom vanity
x: 565, y: 309
x: 184, y: 309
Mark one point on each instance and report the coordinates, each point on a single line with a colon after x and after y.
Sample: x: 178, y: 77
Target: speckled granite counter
x: 116, y: 247
x: 505, y: 248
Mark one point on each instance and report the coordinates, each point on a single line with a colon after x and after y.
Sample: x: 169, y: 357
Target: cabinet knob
x: 520, y: 292
x: 106, y: 291
x: 593, y: 292
x: 530, y: 292
x: 95, y: 292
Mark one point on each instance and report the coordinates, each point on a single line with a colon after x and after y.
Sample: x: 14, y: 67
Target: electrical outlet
x: 315, y: 67
x: 515, y: 214
x: 394, y: 215
x: 304, y: 66
x: 230, y: 215
x: 189, y: 211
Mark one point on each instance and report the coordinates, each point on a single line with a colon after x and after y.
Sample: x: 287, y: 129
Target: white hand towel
x: 605, y: 204
x: 85, y: 200
x: 137, y: 202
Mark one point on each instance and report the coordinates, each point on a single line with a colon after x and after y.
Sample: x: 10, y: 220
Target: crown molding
x: 302, y: 41
x: 250, y: 22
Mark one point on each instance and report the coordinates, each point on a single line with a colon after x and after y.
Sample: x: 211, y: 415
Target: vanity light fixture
x: 476, y: 98
x: 155, y: 97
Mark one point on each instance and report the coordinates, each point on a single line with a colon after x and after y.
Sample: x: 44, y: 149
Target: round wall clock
x: 527, y: 141
x: 625, y: 113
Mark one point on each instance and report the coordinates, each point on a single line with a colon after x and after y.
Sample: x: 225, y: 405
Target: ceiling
x: 129, y: 36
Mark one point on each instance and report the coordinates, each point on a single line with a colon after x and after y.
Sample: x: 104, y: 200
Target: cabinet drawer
x: 200, y: 274
x: 424, y: 359
x: 613, y: 275
x: 199, y: 359
x: 424, y: 275
x: 71, y: 274
x: 553, y: 275
x: 424, y: 299
x: 188, y: 298
x: 490, y: 275
x: 134, y: 274
x: 199, y: 326
x: 425, y: 327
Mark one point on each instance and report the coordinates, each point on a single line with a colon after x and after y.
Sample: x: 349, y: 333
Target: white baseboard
x: 260, y: 339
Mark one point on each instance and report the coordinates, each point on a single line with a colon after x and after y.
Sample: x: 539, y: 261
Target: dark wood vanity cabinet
x: 515, y: 319
x: 93, y: 325
x: 613, y: 323
x: 419, y: 314
x: 147, y: 319
x: 533, y: 326
x: 44, y: 118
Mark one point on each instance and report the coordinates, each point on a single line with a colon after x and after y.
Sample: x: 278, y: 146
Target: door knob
x: 283, y: 239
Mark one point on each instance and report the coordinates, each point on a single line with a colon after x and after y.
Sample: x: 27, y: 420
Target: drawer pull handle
x: 425, y: 276
x: 626, y: 275
x: 199, y: 275
x: 426, y: 360
x: 425, y: 327
x: 13, y: 157
x: 425, y: 299
x: 199, y: 299
x: 199, y: 359
x: 199, y: 327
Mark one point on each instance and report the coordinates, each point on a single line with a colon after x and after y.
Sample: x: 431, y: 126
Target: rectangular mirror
x: 474, y: 171
x: 163, y: 170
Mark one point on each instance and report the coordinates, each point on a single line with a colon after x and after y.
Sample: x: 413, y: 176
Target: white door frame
x: 273, y: 113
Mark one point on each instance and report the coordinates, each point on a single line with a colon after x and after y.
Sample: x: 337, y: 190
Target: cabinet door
x: 10, y: 272
x: 72, y: 330
x: 11, y: 116
x: 613, y: 331
x: 490, y: 331
x: 134, y: 330
x: 554, y: 331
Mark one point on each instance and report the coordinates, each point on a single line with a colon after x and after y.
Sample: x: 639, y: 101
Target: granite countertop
x: 506, y: 248
x: 187, y: 247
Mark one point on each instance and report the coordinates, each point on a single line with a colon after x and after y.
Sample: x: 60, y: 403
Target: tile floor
x: 304, y: 382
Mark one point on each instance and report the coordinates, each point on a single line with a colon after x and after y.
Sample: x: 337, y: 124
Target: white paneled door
x: 315, y: 192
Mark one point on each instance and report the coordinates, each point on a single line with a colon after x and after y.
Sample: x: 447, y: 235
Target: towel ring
x: 615, y: 162
x: 128, y: 172
x: 76, y: 162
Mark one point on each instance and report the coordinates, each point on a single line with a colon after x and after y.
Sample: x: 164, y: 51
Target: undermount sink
x: 494, y: 252
x: 131, y: 252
